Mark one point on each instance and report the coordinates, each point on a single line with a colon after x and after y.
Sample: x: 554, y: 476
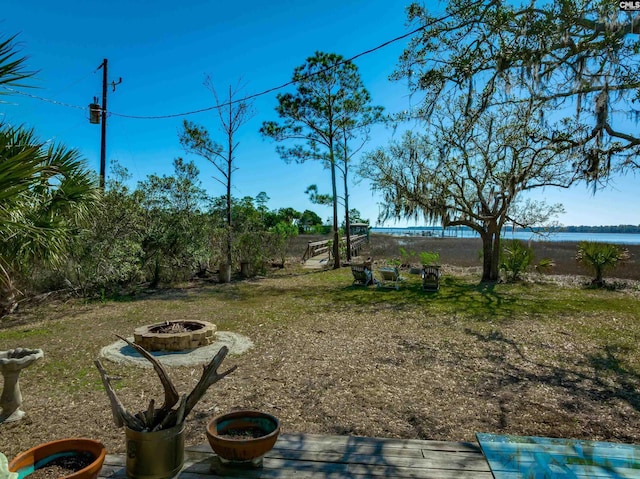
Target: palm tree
x: 600, y: 257
x: 45, y: 193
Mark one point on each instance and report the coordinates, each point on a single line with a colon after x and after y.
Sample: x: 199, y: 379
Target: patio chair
x: 362, y: 276
x: 430, y: 278
x: 389, y: 277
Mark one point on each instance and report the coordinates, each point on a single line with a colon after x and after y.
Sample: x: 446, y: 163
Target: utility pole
x: 103, y: 139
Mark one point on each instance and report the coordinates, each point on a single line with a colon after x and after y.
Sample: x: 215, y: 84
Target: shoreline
x: 616, y: 238
x: 465, y: 252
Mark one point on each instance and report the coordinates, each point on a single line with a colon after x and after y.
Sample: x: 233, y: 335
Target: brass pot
x: 155, y: 455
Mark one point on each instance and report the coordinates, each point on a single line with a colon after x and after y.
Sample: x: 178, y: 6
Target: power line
x: 65, y: 88
x: 47, y: 100
x: 262, y: 93
x: 291, y: 82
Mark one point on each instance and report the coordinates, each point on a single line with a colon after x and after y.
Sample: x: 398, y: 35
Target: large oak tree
x: 472, y: 170
x: 578, y: 60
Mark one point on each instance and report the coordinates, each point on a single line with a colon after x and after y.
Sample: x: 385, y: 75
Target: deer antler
x: 171, y: 396
x: 156, y: 419
x: 209, y: 376
x: 120, y: 414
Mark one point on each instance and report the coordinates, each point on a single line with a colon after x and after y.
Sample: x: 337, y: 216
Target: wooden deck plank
x: 283, y: 450
x: 277, y: 471
x: 312, y: 456
x: 322, y: 442
x: 450, y: 461
x: 376, y: 451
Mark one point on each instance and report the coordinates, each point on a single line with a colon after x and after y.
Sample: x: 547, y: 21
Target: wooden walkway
x: 318, y: 254
x: 317, y: 262
x: 310, y: 456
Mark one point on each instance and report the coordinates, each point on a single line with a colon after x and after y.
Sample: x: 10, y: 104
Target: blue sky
x: 163, y: 51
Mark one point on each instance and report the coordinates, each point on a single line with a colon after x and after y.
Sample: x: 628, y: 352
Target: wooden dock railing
x: 316, y: 248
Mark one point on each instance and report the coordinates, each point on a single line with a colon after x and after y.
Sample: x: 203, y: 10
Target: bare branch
x: 120, y: 414
x: 170, y: 394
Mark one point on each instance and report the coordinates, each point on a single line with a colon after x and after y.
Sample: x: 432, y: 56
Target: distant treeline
x: 598, y: 229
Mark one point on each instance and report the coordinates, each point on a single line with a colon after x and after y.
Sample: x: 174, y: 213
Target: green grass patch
x: 20, y: 334
x: 470, y: 300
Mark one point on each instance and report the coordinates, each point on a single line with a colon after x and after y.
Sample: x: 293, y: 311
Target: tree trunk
x: 347, y: 221
x: 490, y: 256
x: 8, y: 299
x: 599, y: 274
x: 155, y: 280
x: 487, y: 254
x: 229, y: 232
x: 495, y: 259
x: 224, y: 273
x: 230, y: 147
x: 245, y: 269
x: 336, y: 234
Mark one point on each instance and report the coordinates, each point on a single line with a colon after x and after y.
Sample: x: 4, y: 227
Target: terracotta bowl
x: 243, y: 436
x: 36, y: 457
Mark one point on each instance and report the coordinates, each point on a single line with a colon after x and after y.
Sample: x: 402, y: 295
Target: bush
x: 429, y: 258
x: 599, y: 258
x: 515, y: 258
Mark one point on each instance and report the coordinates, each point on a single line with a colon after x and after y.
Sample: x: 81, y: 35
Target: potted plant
x: 243, y: 436
x: 410, y: 260
x: 391, y: 264
x: 406, y: 257
x: 73, y: 458
x: 429, y: 258
x: 155, y: 437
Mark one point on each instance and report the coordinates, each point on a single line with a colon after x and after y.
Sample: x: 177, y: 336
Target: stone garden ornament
x: 12, y: 362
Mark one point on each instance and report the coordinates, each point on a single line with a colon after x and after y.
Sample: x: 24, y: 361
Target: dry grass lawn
x: 547, y: 357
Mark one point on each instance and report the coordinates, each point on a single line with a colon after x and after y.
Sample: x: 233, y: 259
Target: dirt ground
x: 371, y: 370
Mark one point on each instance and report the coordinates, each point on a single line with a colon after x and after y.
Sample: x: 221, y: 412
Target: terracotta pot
x: 39, y: 456
x: 243, y: 448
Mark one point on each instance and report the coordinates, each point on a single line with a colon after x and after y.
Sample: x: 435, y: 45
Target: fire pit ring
x: 175, y: 335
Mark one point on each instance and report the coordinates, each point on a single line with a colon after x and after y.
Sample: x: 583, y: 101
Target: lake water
x: 616, y: 238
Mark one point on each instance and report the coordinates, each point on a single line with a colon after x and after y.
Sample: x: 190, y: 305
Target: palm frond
x: 12, y: 66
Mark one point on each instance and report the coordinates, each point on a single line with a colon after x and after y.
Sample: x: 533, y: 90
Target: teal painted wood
x: 514, y: 457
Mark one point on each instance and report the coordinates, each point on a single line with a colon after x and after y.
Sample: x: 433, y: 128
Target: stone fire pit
x: 175, y: 335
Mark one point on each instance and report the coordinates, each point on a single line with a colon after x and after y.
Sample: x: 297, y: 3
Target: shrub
x: 599, y: 258
x: 429, y: 257
x: 515, y: 258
